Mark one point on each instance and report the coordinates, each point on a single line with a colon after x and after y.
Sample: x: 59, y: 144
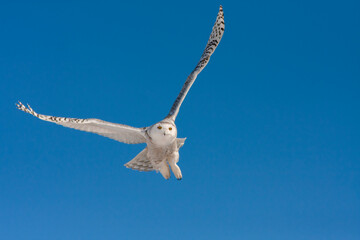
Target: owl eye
x: 159, y: 127
x: 170, y: 128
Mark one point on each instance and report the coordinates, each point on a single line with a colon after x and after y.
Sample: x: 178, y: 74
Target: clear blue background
x: 272, y: 122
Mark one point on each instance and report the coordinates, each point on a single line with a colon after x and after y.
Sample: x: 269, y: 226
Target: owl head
x: 163, y: 133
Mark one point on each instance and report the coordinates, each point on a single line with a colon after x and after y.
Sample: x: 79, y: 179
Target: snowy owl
x: 163, y: 146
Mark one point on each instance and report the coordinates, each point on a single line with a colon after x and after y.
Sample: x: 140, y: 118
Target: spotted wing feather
x: 213, y: 42
x: 118, y: 132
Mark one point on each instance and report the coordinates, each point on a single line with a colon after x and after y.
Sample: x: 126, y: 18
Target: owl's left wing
x: 118, y: 132
x: 213, y: 42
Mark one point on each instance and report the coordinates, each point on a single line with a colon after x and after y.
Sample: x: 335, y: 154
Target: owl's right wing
x: 118, y: 132
x: 214, y: 40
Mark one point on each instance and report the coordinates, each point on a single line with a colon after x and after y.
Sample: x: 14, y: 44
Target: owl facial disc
x: 163, y: 133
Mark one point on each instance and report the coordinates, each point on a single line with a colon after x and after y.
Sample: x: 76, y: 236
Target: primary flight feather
x: 163, y: 146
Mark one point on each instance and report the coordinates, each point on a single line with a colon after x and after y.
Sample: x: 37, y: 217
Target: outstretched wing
x: 213, y: 42
x: 118, y: 132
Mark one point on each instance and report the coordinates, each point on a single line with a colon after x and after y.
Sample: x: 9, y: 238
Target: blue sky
x: 272, y: 123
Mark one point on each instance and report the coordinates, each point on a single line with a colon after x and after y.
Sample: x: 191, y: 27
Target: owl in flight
x: 163, y: 146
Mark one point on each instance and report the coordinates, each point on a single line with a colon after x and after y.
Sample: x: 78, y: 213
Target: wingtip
x: 20, y: 106
x: 27, y: 109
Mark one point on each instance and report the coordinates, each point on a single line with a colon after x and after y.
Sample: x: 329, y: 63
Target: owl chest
x: 158, y: 154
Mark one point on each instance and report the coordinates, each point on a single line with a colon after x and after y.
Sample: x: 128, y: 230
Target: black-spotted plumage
x: 213, y: 42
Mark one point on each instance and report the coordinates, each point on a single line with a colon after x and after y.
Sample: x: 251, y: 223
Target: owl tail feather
x: 141, y: 162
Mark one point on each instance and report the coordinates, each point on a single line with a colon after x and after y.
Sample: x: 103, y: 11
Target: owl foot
x: 165, y: 171
x: 176, y: 170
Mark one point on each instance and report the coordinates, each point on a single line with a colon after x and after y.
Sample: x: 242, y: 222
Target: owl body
x: 162, y: 150
x: 162, y: 157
